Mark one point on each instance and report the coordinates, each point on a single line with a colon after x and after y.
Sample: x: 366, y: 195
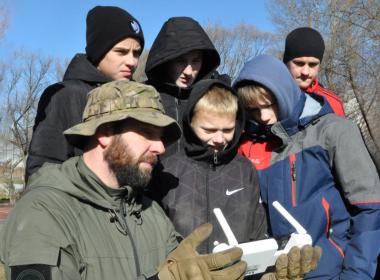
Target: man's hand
x: 185, y: 263
x: 295, y: 264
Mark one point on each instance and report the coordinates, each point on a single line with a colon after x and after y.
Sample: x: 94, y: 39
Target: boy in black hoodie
x: 181, y: 55
x: 208, y: 172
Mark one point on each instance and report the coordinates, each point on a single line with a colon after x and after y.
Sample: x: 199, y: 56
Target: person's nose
x: 188, y: 69
x: 265, y: 115
x: 305, y: 70
x: 157, y: 147
x: 219, y: 138
x: 131, y: 61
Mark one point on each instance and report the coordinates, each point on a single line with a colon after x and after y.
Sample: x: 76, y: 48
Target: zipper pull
x: 294, y: 171
x: 292, y: 159
x: 215, y: 160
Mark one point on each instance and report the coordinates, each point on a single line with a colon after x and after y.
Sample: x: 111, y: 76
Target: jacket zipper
x: 208, y: 218
x: 329, y: 229
x: 207, y: 206
x: 215, y: 160
x: 292, y: 161
x: 178, y: 102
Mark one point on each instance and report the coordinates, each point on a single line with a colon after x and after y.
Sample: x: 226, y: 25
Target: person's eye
x: 146, y: 131
x: 121, y: 52
x: 181, y: 62
x: 228, y: 130
x: 252, y: 110
x: 136, y: 53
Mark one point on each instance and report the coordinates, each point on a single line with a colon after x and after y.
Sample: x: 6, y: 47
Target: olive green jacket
x: 70, y: 220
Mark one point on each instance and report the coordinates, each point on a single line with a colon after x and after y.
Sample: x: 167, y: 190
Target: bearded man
x: 87, y: 218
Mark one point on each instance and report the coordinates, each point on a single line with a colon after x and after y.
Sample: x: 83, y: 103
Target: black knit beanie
x: 303, y: 41
x: 107, y: 26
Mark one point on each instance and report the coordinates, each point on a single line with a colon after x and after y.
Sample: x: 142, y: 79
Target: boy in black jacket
x: 209, y: 173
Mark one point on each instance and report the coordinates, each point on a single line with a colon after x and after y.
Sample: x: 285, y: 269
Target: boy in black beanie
x: 114, y: 42
x: 304, y: 48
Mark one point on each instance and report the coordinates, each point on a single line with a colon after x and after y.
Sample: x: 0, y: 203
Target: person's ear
x: 104, y: 140
x: 104, y: 136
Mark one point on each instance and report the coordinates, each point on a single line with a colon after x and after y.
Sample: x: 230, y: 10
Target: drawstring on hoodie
x: 134, y: 249
x: 122, y: 226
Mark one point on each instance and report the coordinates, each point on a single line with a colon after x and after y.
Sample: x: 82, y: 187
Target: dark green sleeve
x: 35, y: 234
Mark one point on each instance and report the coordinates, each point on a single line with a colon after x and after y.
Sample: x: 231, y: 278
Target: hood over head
x: 194, y: 148
x: 178, y: 36
x: 273, y: 74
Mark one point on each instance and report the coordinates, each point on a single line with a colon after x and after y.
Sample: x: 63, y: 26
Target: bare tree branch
x: 23, y: 81
x: 237, y: 44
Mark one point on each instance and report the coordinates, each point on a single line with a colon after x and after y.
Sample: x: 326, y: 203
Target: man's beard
x: 125, y: 167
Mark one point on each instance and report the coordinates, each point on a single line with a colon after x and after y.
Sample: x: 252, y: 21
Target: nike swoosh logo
x: 228, y: 192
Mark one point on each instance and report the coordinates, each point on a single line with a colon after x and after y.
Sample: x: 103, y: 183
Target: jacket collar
x: 313, y: 86
x: 170, y: 88
x: 80, y: 68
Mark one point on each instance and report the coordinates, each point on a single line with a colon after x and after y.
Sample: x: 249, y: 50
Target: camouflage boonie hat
x: 119, y: 100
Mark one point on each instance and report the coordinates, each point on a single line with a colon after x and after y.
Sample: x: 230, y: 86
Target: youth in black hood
x: 178, y: 36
